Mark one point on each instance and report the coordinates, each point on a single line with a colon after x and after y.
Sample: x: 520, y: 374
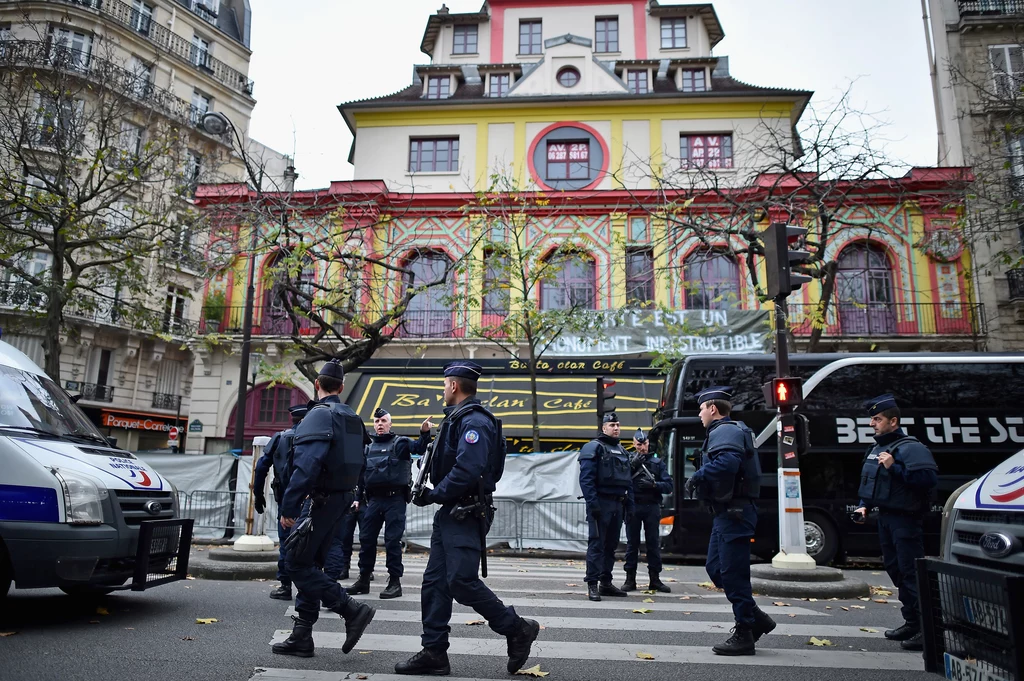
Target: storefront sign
x: 110, y: 419
x: 678, y: 332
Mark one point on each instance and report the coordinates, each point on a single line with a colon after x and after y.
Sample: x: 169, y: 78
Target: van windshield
x: 30, y: 401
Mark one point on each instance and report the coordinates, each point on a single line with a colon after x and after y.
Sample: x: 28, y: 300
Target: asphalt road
x: 155, y: 635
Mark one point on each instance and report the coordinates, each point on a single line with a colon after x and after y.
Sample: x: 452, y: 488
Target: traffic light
x: 784, y: 392
x: 779, y: 259
x: 604, y: 398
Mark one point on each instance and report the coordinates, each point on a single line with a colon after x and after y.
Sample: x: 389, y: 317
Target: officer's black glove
x: 260, y: 503
x: 422, y: 497
x: 690, y: 487
x: 595, y: 513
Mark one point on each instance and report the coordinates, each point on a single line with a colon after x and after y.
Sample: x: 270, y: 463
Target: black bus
x: 968, y: 408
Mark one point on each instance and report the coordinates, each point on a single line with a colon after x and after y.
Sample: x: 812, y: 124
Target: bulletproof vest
x: 283, y: 462
x: 448, y: 441
x: 747, y: 483
x: 879, y: 487
x: 613, y: 470
x: 344, y: 463
x: 384, y: 468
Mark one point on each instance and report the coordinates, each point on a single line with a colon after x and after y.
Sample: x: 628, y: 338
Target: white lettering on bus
x: 937, y: 429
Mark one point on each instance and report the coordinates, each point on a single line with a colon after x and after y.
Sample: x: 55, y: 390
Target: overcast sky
x: 311, y: 55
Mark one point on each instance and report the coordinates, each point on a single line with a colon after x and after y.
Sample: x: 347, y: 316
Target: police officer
x: 279, y: 455
x: 899, y: 477
x: 387, y: 491
x: 650, y: 481
x: 325, y: 472
x: 607, y: 487
x: 729, y: 481
x: 465, y: 466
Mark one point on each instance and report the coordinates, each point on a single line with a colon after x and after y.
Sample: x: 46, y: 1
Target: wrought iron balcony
x: 1015, y: 278
x: 969, y: 8
x: 94, y: 392
x: 166, y: 401
x: 899, y: 320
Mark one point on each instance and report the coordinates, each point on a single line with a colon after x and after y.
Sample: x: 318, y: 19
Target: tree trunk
x: 828, y: 285
x: 55, y: 301
x: 534, y: 412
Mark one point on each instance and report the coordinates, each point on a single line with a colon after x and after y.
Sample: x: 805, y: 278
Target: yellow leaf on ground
x: 642, y: 611
x: 707, y: 585
x: 206, y: 620
x: 102, y: 611
x: 189, y: 577
x: 865, y: 598
x: 780, y: 604
x: 870, y: 631
x: 858, y: 607
x: 474, y: 622
x: 187, y: 638
x: 687, y: 613
x: 671, y: 579
x: 790, y: 615
x: 648, y: 600
x: 649, y: 591
x: 845, y: 608
x: 365, y: 652
x: 645, y: 656
x: 684, y: 598
x: 828, y: 607
x: 819, y: 642
x: 571, y: 584
x: 362, y: 677
x: 532, y: 671
x: 812, y: 600
x: 522, y: 570
x: 7, y: 633
x: 881, y: 591
x: 881, y: 600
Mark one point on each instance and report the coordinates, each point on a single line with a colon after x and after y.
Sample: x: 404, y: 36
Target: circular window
x: 568, y: 76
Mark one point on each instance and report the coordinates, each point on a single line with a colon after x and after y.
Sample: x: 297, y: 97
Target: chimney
x: 289, y: 178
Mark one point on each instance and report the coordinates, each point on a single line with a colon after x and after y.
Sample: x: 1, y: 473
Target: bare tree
x: 95, y: 170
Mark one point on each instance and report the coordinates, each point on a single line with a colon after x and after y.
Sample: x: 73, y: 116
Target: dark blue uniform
x: 607, y: 487
x: 339, y: 556
x: 647, y: 514
x: 902, y: 493
x: 387, y: 485
x: 461, y: 468
x: 278, y: 455
x: 726, y: 481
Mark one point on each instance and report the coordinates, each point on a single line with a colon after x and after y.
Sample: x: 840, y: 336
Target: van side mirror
x: 112, y: 441
x: 75, y: 398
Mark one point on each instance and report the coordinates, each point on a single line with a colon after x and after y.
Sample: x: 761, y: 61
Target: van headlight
x: 83, y: 497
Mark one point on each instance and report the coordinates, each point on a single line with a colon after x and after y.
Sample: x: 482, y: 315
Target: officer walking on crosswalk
x: 729, y: 481
x: 278, y: 455
x: 387, y: 489
x: 650, y: 481
x: 899, y: 477
x: 327, y: 463
x: 607, y: 487
x: 465, y: 465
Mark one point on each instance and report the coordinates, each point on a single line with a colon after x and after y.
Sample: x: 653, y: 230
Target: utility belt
x: 616, y: 496
x: 472, y: 505
x: 319, y: 497
x: 385, y: 492
x: 734, y: 507
x: 902, y: 513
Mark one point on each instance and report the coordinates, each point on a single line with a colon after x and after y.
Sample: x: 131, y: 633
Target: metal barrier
x: 973, y: 621
x: 210, y: 509
x: 552, y: 521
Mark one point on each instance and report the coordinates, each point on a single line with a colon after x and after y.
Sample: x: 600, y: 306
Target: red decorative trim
x: 567, y: 124
x: 497, y: 34
x: 640, y: 29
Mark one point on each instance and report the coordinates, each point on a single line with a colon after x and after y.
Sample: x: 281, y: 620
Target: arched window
x: 573, y: 283
x: 266, y: 410
x: 864, y: 290
x: 711, y: 281
x: 278, y: 300
x: 429, y: 314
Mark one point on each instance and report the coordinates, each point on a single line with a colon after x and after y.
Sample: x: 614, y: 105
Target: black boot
x: 344, y: 574
x: 658, y: 585
x: 393, y: 589
x: 357, y: 616
x: 763, y: 624
x: 593, y: 593
x: 740, y: 643
x: 360, y: 586
x: 903, y: 632
x: 300, y: 642
x: 915, y: 642
x: 609, y: 589
x: 282, y: 593
x: 427, y: 662
x: 520, y: 642
x: 630, y: 583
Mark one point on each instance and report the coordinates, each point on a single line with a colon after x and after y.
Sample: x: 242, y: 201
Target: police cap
x: 610, y: 417
x: 463, y: 369
x: 298, y: 410
x: 715, y: 392
x: 380, y: 412
x: 640, y: 435
x: 880, y: 404
x: 333, y: 370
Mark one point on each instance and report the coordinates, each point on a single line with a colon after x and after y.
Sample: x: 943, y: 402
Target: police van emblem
x: 472, y: 437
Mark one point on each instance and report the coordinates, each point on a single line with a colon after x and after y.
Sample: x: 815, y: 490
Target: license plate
x: 961, y: 670
x: 985, y: 615
x: 158, y: 545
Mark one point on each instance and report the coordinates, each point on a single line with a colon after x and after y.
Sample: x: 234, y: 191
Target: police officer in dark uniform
x: 339, y: 556
x: 650, y: 481
x: 899, y: 477
x: 387, y: 489
x: 607, y: 487
x: 466, y: 464
x: 729, y: 481
x: 278, y: 455
x: 326, y: 467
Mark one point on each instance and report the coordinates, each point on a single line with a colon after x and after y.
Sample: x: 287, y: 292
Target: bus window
x: 846, y: 389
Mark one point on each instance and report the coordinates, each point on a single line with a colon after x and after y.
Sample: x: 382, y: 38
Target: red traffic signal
x: 784, y: 392
x: 604, y: 397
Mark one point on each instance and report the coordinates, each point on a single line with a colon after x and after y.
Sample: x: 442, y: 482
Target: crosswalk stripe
x: 620, y: 604
x: 621, y: 652
x: 268, y: 674
x: 639, y: 624
x: 579, y: 591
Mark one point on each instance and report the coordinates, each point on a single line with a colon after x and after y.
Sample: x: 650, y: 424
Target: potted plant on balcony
x: 213, y: 311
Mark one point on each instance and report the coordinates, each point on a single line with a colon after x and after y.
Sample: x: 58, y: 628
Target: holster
x: 298, y: 540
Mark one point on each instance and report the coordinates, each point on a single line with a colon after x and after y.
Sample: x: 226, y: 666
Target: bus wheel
x: 821, y: 536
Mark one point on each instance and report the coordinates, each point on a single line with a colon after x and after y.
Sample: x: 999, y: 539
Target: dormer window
x: 693, y: 80
x: 439, y: 87
x: 636, y: 81
x: 606, y: 34
x: 465, y: 39
x: 499, y: 84
x: 530, y: 37
x: 673, y: 33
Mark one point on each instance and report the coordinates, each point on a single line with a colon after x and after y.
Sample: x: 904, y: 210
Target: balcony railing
x: 95, y: 392
x: 166, y: 401
x: 128, y: 16
x: 1015, y: 278
x: 899, y: 320
x: 989, y: 7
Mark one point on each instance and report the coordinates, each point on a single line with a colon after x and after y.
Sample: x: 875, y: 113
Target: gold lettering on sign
x: 410, y: 400
x: 609, y: 366
x: 575, y: 405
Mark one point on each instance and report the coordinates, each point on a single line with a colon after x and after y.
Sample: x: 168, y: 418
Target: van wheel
x: 821, y: 536
x: 86, y: 590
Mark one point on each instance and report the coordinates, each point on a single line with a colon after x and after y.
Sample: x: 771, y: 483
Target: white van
x: 72, y: 507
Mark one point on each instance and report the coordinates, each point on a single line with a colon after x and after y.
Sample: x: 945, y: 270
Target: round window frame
x: 542, y: 136
x: 568, y: 70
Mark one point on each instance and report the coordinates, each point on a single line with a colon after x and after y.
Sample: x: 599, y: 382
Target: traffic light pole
x: 792, y: 542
